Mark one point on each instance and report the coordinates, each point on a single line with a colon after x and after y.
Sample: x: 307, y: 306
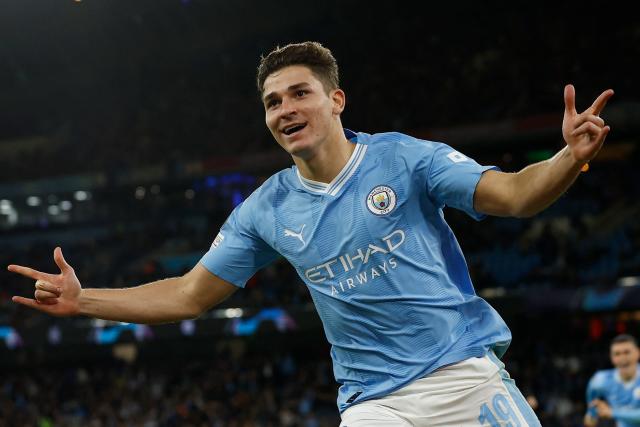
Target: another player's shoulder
x: 602, y: 377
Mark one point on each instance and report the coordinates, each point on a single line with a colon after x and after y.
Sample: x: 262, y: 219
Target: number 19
x: 501, y: 410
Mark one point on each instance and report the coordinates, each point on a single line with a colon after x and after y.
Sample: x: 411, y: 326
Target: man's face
x: 624, y: 355
x: 298, y: 111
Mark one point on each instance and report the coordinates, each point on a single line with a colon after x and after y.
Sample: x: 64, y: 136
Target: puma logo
x: 289, y: 233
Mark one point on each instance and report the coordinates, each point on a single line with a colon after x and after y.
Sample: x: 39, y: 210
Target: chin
x: 300, y: 148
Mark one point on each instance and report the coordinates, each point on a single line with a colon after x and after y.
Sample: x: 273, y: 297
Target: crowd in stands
x: 588, y: 238
x: 231, y: 389
x: 272, y: 381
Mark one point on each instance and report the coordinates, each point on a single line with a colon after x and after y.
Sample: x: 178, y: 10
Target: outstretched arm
x: 604, y: 411
x: 162, y: 301
x: 537, y: 186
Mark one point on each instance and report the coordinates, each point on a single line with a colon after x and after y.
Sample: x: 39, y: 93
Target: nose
x: 287, y: 107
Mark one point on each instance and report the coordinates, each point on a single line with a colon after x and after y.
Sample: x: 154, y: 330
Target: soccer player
x: 360, y: 217
x: 615, y: 393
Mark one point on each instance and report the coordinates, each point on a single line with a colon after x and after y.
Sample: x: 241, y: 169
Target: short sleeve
x: 595, y: 390
x: 452, y: 178
x: 238, y: 251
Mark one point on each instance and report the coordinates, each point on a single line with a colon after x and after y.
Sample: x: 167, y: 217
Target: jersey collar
x: 347, y: 171
x: 627, y: 384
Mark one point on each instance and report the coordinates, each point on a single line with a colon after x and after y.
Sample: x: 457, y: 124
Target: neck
x: 327, y: 160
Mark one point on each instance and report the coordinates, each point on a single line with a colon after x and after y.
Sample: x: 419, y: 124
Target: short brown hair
x: 313, y: 55
x: 624, y: 338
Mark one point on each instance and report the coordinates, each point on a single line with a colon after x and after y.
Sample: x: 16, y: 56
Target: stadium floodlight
x: 140, y: 193
x: 53, y: 210
x: 33, y: 201
x: 231, y: 313
x: 188, y: 327
x: 7, y: 209
x: 54, y: 335
x: 65, y: 205
x: 99, y: 323
x: 629, y: 281
x: 81, y: 196
x: 489, y: 293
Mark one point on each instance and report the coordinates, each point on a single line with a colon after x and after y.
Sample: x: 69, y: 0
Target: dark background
x: 176, y: 78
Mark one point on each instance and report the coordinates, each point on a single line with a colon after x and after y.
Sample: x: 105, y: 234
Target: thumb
x: 569, y: 99
x: 60, y: 261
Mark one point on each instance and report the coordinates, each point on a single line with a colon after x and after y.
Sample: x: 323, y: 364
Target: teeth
x: 292, y: 129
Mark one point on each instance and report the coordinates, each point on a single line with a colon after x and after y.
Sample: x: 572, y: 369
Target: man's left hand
x: 584, y: 132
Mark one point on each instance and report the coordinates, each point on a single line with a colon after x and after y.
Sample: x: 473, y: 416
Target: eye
x: 300, y: 93
x: 272, y: 103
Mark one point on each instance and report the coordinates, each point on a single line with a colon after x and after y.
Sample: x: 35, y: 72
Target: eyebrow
x: 289, y: 89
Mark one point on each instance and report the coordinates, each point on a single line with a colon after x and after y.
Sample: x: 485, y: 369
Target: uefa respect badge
x: 381, y: 200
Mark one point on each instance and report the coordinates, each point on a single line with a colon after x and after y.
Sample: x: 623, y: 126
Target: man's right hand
x: 55, y: 294
x: 589, y: 421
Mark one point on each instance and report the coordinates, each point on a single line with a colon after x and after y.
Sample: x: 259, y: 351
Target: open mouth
x: 290, y: 130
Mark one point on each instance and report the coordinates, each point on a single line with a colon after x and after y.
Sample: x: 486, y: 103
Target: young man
x: 360, y: 218
x: 615, y: 393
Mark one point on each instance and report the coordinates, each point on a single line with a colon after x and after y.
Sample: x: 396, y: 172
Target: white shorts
x: 474, y: 392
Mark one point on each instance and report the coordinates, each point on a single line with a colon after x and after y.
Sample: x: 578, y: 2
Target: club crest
x: 381, y: 200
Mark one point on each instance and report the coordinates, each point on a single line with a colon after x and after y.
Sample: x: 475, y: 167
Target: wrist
x: 575, y: 164
x: 83, y: 303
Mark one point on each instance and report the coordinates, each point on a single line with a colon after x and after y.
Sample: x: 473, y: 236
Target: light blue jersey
x: 623, y: 397
x: 384, y: 269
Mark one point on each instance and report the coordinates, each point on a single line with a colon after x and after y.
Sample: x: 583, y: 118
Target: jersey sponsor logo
x: 289, y: 233
x: 216, y: 242
x: 457, y: 157
x: 636, y: 393
x: 381, y: 200
x: 365, y: 276
x: 356, y: 260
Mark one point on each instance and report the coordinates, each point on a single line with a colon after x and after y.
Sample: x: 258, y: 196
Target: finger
x: 44, y: 295
x: 60, y: 261
x: 49, y: 287
x: 28, y: 272
x: 603, y: 134
x: 589, y: 118
x: 601, y: 101
x: 31, y: 303
x: 587, y: 127
x: 569, y: 100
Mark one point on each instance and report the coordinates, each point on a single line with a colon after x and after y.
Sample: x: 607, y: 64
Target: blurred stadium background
x: 129, y: 130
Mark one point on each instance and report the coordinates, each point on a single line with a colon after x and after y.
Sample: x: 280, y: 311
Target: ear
x: 339, y: 101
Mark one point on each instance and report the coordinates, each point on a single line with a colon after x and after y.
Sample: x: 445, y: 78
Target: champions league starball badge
x: 381, y: 200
